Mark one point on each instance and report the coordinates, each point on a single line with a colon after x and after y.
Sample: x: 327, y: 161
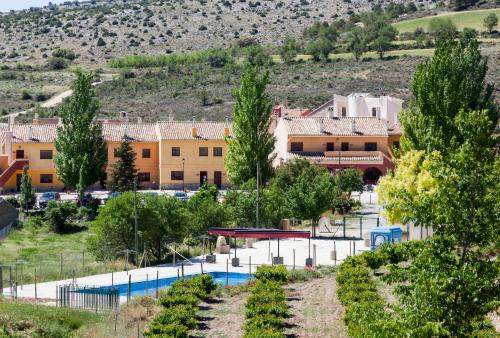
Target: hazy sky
x: 7, y: 5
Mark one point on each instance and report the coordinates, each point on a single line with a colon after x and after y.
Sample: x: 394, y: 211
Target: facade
x: 200, y: 147
x: 338, y: 142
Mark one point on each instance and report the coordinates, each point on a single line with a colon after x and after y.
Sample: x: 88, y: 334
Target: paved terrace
x: 259, y: 254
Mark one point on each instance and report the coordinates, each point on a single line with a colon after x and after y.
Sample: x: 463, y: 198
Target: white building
x: 384, y: 107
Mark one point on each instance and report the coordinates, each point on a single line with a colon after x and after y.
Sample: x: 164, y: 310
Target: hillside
x: 160, y: 26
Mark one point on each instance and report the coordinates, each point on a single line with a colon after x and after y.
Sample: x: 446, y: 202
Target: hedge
x: 267, y: 307
x: 181, y: 304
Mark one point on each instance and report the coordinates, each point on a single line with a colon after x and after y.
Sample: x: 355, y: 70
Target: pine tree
x: 81, y: 151
x: 27, y: 198
x: 124, y: 170
x: 252, y: 143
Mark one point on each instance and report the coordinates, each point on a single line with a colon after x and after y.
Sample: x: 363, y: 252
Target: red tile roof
x: 341, y: 126
x: 33, y: 133
x: 183, y: 130
x: 139, y: 132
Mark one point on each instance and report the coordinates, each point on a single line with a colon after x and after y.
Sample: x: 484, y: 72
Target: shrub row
x: 181, y: 304
x: 365, y: 310
x: 267, y: 306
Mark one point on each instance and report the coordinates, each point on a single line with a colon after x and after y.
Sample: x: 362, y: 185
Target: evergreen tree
x: 252, y: 143
x: 81, y: 151
x: 124, y: 170
x: 27, y: 198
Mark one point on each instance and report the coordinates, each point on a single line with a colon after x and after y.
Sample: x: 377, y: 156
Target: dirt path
x: 315, y: 310
x: 222, y: 317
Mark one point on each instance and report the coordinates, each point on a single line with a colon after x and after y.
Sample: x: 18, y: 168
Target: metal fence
x: 349, y: 226
x: 88, y: 297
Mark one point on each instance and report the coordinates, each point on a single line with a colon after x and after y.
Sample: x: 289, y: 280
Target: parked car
x: 86, y: 200
x: 45, y: 198
x: 181, y: 196
x: 111, y: 195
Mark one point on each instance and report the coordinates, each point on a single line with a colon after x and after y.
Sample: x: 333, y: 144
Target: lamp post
x: 183, y: 175
x: 136, y: 241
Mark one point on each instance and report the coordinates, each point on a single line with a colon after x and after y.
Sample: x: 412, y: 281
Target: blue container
x: 383, y: 235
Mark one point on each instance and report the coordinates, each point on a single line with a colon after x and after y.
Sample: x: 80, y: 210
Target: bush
x: 170, y: 330
x: 57, y: 214
x: 277, y: 273
x: 13, y: 201
x: 25, y: 95
x: 56, y: 63
x: 64, y: 53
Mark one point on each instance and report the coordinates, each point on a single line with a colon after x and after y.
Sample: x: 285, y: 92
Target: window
x: 370, y: 146
x: 177, y: 175
x: 176, y: 151
x: 344, y: 146
x: 344, y: 111
x: 297, y: 146
x: 146, y: 153
x: 330, y: 146
x: 374, y: 112
x: 395, y: 144
x: 203, y: 151
x: 218, y: 151
x: 115, y: 152
x: 144, y: 177
x: 45, y: 178
x: 45, y: 154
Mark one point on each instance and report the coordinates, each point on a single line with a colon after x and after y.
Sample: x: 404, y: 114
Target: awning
x: 258, y: 233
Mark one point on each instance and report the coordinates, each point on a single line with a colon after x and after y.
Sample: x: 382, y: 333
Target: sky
x: 7, y: 5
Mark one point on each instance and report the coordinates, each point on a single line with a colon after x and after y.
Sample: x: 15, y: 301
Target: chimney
x: 139, y: 119
x: 30, y: 133
x: 36, y: 119
x: 353, y: 126
x: 124, y: 116
x: 8, y: 145
x: 170, y: 117
x: 226, y: 127
x: 321, y: 126
x: 12, y: 121
x: 194, y: 130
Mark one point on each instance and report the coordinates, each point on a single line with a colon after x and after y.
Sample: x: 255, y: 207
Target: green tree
x: 356, y: 43
x: 289, y: 50
x: 442, y: 28
x: 252, y: 143
x: 349, y: 180
x: 257, y: 55
x: 452, y: 284
x: 383, y: 41
x: 320, y: 49
x: 457, y: 72
x: 312, y: 193
x: 124, y: 170
x: 161, y: 220
x: 57, y: 215
x: 81, y: 150
x: 27, y: 198
x: 205, y: 211
x: 490, y: 22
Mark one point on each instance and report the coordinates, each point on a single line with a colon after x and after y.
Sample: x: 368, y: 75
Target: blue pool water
x: 141, y: 289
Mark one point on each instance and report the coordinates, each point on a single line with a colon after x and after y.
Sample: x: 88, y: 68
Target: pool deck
x: 259, y: 254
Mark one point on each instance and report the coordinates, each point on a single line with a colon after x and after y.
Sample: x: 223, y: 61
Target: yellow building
x: 169, y: 155
x: 192, y: 153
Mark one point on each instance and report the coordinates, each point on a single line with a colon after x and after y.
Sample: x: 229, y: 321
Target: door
x: 18, y: 182
x: 218, y: 179
x: 203, y: 177
x: 19, y: 153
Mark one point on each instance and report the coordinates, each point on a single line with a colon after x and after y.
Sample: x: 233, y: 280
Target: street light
x: 183, y: 187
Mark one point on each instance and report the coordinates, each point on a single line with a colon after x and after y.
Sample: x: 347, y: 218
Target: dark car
x: 181, y: 196
x: 45, y: 198
x: 112, y: 195
x: 86, y: 200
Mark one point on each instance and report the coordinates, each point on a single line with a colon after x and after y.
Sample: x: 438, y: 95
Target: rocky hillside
x: 99, y: 30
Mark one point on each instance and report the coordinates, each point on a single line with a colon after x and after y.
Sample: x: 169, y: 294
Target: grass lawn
x: 28, y: 320
x: 39, y: 248
x: 472, y: 19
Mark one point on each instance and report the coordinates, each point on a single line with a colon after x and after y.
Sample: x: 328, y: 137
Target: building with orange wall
x: 169, y: 155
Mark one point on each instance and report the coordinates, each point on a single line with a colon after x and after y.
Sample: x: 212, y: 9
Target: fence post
x: 1, y: 280
x: 147, y: 284
x: 378, y: 222
x: 314, y: 255
x: 227, y: 272
x: 36, y: 298
x: 128, y: 288
x: 343, y: 221
x: 250, y: 265
x: 350, y: 248
x: 182, y: 267
x: 293, y: 258
x: 354, y: 248
x: 157, y: 275
x: 112, y: 279
x: 10, y: 281
x: 61, y: 269
x: 335, y: 250
x: 83, y: 261
x: 201, y: 266
x: 361, y: 227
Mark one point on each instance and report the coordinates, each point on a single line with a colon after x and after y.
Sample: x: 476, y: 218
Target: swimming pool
x: 149, y: 288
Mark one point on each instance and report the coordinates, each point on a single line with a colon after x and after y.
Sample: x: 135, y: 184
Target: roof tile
x: 183, y: 130
x: 338, y: 126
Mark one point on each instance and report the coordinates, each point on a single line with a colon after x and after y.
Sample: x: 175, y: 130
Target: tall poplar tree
x: 81, y: 150
x: 252, y: 143
x: 124, y: 170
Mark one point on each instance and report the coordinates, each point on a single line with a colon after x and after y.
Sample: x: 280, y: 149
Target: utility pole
x: 258, y: 188
x: 136, y: 241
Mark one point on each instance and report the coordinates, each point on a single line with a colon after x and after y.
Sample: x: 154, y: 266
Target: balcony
x: 342, y: 157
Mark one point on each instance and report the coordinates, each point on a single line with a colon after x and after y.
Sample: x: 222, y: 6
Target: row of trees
x: 447, y: 179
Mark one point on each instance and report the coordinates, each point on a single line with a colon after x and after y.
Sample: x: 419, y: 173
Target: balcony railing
x: 342, y: 157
